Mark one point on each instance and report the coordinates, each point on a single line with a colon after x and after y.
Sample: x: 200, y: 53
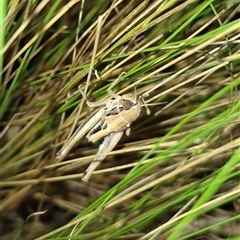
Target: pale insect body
x: 89, y: 124
x: 114, y: 126
x: 108, y: 123
x: 122, y: 120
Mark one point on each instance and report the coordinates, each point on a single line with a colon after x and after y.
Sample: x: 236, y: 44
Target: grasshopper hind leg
x: 106, y: 146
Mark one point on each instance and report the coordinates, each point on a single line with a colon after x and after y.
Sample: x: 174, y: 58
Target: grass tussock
x: 177, y: 175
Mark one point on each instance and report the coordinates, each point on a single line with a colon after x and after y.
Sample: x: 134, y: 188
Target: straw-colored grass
x: 177, y: 175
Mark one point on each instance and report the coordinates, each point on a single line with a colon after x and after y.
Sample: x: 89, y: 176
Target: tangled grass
x: 177, y: 175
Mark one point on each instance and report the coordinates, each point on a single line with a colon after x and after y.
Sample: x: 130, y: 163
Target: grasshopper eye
x: 127, y: 104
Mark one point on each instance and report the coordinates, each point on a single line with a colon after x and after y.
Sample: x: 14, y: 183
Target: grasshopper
x: 107, y: 123
x: 113, y: 127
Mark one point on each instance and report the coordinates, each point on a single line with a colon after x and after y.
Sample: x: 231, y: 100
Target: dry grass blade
x: 178, y: 168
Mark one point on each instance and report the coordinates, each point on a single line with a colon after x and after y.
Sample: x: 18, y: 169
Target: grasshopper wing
x: 81, y: 131
x: 107, y: 145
